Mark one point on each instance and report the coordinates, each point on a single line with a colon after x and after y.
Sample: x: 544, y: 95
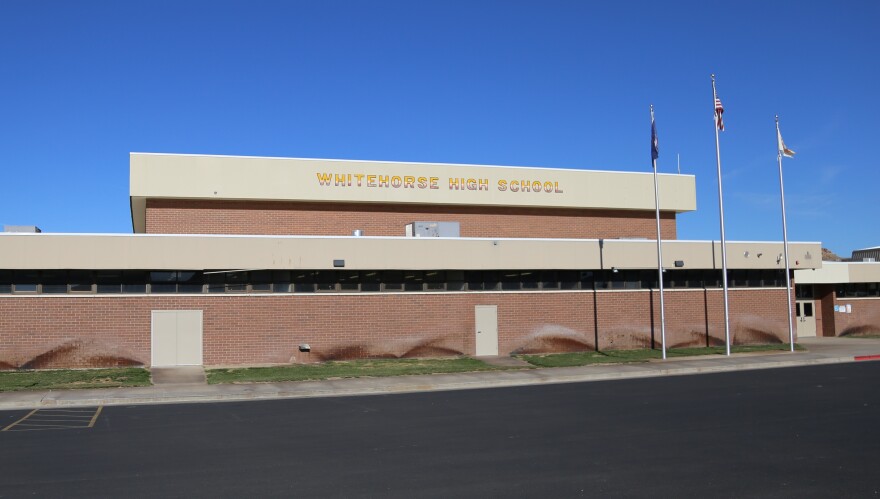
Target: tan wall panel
x: 288, y: 179
x: 85, y: 251
x: 840, y: 272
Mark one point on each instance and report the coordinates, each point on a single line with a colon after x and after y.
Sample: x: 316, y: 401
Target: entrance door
x: 486, y: 320
x: 176, y: 338
x: 806, y: 319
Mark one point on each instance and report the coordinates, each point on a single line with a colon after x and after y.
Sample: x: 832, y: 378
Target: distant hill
x: 830, y: 256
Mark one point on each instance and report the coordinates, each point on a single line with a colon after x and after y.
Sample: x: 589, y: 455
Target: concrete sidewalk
x: 820, y: 351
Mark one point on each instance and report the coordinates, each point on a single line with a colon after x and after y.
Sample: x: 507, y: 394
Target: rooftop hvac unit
x: 433, y: 229
x: 21, y: 228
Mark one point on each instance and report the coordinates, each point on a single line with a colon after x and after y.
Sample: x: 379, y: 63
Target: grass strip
x: 640, y: 355
x: 347, y: 369
x: 11, y: 381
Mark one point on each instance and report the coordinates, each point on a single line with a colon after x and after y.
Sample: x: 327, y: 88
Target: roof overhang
x: 206, y: 252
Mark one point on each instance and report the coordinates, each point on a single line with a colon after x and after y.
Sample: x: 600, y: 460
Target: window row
x: 858, y: 290
x: 312, y: 281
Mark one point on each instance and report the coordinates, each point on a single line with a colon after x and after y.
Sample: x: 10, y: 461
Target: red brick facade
x: 168, y: 216
x: 87, y: 331
x: 864, y: 317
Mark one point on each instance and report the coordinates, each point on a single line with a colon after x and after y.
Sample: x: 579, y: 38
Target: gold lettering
x: 434, y: 181
x: 471, y: 184
x: 484, y: 184
x: 359, y: 177
x: 324, y: 178
x: 453, y: 184
x: 396, y: 181
x: 409, y: 182
x: 557, y: 189
x: 526, y: 185
x: 423, y: 182
x: 383, y: 180
x: 502, y: 185
x: 514, y: 186
x: 371, y: 181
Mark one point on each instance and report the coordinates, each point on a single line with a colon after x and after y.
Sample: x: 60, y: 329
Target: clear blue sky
x: 563, y: 84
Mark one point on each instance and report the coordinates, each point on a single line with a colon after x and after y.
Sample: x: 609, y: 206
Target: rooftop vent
x: 433, y: 229
x: 33, y: 229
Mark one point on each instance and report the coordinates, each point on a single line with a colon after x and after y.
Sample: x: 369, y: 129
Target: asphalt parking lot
x: 805, y: 432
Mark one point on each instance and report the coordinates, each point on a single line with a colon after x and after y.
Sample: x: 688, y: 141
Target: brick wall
x: 165, y: 216
x: 864, y: 319
x: 46, y: 332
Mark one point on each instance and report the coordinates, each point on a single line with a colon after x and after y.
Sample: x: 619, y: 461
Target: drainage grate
x: 57, y: 419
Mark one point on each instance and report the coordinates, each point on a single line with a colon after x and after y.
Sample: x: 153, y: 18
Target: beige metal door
x: 486, y: 320
x: 806, y: 318
x: 176, y: 338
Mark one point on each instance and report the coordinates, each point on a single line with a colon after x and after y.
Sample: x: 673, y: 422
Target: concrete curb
x: 396, y: 385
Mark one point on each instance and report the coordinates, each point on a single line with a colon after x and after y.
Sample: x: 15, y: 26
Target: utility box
x: 433, y: 229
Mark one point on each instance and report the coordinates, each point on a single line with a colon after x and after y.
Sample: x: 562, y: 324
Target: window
x: 648, y: 279
x: 261, y: 281
x: 134, y: 281
x: 392, y: 280
x: 412, y: 280
x: 303, y: 281
x: 510, y: 280
x: 236, y: 282
x: 309, y: 281
x: 455, y: 280
x: 474, y: 280
x: 215, y: 282
x: 529, y: 279
x: 569, y: 279
x: 178, y: 281
x: 808, y: 309
x: 349, y: 280
x: 5, y: 281
x: 54, y: 281
x: 803, y: 291
x: 189, y: 282
x: 371, y: 280
x: 163, y: 282
x: 435, y: 280
x: 281, y: 281
x: 108, y: 281
x: 25, y: 281
x: 588, y: 279
x: 549, y: 280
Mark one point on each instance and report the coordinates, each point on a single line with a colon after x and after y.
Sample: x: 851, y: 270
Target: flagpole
x: 784, y: 237
x: 654, y: 154
x: 723, y: 239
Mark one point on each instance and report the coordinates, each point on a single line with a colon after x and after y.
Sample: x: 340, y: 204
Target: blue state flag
x: 655, y: 144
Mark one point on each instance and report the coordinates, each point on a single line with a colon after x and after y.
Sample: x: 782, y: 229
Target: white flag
x: 788, y: 153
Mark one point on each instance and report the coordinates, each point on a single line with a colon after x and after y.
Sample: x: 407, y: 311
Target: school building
x: 252, y: 261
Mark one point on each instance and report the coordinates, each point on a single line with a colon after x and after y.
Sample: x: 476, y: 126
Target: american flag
x: 719, y: 110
